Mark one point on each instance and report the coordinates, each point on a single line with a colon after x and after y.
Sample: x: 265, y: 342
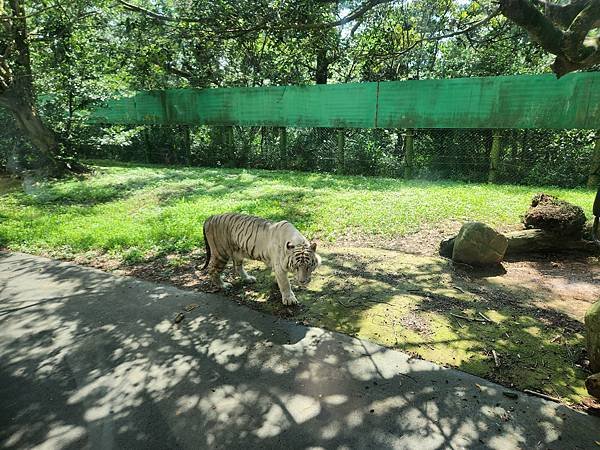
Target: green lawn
x: 132, y: 211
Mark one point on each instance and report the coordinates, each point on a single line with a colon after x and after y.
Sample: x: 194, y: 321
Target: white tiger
x: 280, y: 245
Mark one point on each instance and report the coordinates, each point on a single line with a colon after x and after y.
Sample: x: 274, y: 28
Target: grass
x: 133, y: 214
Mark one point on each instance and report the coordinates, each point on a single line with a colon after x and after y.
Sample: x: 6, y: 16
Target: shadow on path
x: 89, y: 359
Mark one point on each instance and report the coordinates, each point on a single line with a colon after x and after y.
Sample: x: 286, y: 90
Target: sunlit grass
x: 132, y: 211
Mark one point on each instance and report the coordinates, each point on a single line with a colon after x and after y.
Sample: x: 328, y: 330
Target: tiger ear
x: 313, y: 246
x: 289, y: 245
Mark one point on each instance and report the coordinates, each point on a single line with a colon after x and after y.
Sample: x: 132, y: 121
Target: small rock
x: 179, y: 317
x: 592, y: 384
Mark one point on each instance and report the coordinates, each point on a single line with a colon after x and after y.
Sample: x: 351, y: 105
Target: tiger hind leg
x: 215, y: 272
x: 238, y: 264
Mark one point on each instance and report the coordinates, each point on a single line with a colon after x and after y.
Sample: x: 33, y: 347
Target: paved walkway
x: 90, y: 360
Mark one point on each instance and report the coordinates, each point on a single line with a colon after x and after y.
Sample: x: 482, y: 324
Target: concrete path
x: 90, y: 360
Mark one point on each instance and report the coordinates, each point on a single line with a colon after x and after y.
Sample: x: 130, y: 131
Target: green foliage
x: 82, y: 52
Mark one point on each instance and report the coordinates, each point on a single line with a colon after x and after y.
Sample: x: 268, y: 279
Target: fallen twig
x: 472, y: 319
x: 379, y: 303
x: 487, y: 319
x: 496, y: 359
x: 459, y: 264
x: 544, y: 396
x: 178, y: 318
x: 569, y: 351
x: 394, y: 331
x: 407, y: 376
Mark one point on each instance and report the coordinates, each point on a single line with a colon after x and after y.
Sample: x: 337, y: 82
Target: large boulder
x: 592, y: 336
x: 478, y: 244
x: 592, y: 384
x: 551, y: 214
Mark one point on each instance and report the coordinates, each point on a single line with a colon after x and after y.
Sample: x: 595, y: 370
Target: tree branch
x: 580, y: 27
x: 471, y: 27
x: 570, y: 46
x: 356, y: 14
x: 170, y: 67
x: 353, y: 15
x: 562, y: 15
x: 33, y: 14
x: 539, y: 27
x: 157, y: 16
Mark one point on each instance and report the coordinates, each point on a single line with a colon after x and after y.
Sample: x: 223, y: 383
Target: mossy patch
x: 421, y: 305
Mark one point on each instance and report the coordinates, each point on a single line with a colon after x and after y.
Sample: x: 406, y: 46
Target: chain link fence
x: 543, y: 157
x: 547, y: 157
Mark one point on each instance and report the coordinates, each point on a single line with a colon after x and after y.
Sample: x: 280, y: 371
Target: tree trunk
x: 43, y: 139
x: 540, y: 241
x: 322, y: 72
x: 18, y: 96
x: 537, y: 241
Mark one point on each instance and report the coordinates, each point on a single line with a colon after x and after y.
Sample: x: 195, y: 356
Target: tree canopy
x: 58, y: 58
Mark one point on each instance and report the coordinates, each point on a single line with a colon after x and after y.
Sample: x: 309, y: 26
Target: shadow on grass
x: 178, y: 184
x: 95, y: 361
x: 425, y: 306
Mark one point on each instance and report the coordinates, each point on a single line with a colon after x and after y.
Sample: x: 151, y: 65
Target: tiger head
x: 302, y: 261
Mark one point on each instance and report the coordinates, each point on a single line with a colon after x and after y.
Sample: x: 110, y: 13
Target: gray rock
x: 592, y: 335
x: 592, y: 384
x: 478, y: 244
x: 446, y: 247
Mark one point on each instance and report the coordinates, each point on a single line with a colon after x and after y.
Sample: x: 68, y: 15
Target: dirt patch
x: 416, y: 323
x: 423, y: 242
x: 566, y: 283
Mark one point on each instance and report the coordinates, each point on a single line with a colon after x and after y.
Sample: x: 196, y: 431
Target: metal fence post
x: 409, y: 154
x: 283, y: 148
x: 187, y: 144
x: 594, y: 176
x: 494, y: 157
x: 341, y: 157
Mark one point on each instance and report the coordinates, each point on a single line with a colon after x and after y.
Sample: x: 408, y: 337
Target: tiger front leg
x: 287, y: 296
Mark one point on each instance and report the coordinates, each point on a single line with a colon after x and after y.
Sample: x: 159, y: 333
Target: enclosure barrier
x: 507, y: 102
